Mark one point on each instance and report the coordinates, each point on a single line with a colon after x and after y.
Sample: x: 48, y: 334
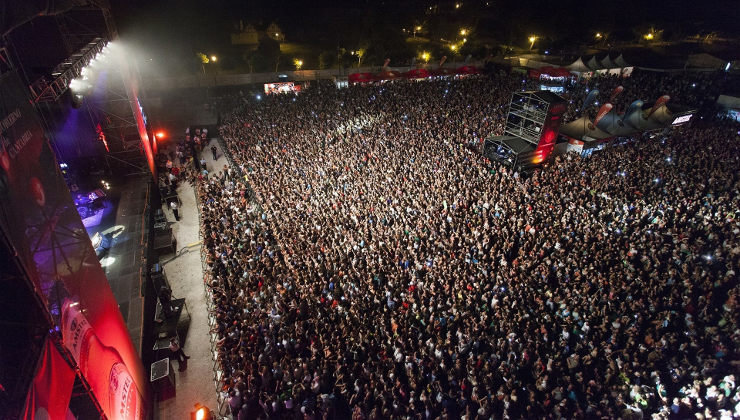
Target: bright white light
x: 107, y: 261
x: 259, y: 97
x: 656, y: 180
x: 708, y: 257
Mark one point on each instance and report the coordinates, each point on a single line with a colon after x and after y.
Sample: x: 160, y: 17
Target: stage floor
x: 122, y: 220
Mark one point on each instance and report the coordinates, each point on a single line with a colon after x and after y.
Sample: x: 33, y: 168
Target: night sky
x: 173, y: 30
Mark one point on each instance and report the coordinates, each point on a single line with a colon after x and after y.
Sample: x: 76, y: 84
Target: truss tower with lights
x: 531, y: 129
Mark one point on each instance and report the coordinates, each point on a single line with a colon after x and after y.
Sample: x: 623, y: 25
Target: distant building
x: 247, y: 35
x: 273, y: 31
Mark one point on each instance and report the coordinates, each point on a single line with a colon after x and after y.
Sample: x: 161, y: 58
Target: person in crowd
x: 367, y: 262
x: 175, y: 209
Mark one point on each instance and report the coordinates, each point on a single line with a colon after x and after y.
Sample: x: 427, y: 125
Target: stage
x: 119, y: 234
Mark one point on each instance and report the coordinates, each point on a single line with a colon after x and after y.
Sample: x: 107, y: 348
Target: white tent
x: 620, y: 61
x: 583, y: 127
x: 579, y: 66
x: 607, y: 63
x: 593, y: 64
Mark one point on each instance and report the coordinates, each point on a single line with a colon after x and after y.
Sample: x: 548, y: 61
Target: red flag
x: 52, y: 387
x: 602, y: 112
x: 617, y: 90
x: 660, y: 102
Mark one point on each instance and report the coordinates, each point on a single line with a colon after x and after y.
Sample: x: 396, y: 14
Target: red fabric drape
x: 49, y: 395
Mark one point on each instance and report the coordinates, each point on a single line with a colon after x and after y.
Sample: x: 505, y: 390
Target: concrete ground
x: 185, y: 274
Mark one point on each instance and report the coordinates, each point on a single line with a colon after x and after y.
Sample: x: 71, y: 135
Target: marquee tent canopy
x: 583, y: 128
x: 388, y: 75
x: 606, y: 63
x: 442, y: 71
x: 416, y: 74
x: 579, y: 66
x: 620, y: 61
x: 360, y: 77
x: 467, y: 70
x: 593, y: 64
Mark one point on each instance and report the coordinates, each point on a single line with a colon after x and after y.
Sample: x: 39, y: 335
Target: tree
x: 326, y: 60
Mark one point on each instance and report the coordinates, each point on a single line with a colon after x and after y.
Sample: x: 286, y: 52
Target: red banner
x: 52, y: 386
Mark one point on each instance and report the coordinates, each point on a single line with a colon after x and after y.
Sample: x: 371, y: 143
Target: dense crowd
x: 383, y: 268
x: 688, y: 89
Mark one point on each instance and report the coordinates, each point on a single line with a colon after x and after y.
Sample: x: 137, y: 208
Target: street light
x: 463, y: 32
x: 298, y: 63
x: 649, y: 36
x: 425, y: 56
x: 532, y: 39
x: 214, y: 58
x: 598, y: 35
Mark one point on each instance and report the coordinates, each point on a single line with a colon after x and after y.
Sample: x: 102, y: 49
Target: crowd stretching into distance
x: 367, y: 262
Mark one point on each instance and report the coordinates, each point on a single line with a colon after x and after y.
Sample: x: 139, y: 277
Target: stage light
x: 107, y: 261
x: 160, y: 134
x: 201, y: 413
